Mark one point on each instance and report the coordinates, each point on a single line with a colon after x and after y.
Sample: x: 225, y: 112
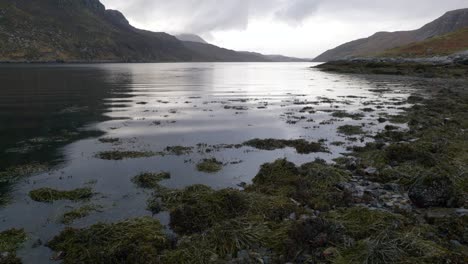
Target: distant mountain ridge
x: 84, y: 31
x: 191, y: 38
x: 382, y: 41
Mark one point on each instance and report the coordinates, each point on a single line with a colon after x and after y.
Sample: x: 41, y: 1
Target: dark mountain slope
x: 78, y: 30
x: 190, y: 38
x: 381, y: 41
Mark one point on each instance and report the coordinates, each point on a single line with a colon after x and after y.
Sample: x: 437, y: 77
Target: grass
x: 121, y: 155
x: 49, y: 195
x: 139, y: 240
x: 150, y: 180
x: 78, y: 213
x: 210, y: 165
x: 302, y: 146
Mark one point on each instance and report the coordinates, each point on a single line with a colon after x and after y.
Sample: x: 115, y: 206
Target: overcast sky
x: 302, y: 28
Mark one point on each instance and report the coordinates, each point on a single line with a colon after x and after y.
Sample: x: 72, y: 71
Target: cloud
x: 204, y: 16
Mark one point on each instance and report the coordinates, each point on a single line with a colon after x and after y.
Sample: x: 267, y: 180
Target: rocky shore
x: 399, y: 199
x: 452, y: 66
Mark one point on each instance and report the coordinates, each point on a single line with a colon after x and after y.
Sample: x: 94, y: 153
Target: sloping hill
x: 208, y: 52
x: 381, y: 41
x: 191, y: 38
x: 437, y: 46
x: 78, y: 30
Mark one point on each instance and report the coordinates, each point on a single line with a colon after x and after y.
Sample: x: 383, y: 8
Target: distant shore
x: 454, y: 66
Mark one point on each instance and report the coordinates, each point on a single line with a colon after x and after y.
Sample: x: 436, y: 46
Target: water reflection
x: 49, y: 113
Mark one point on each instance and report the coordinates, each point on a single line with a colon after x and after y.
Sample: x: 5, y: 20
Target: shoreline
x: 455, y: 66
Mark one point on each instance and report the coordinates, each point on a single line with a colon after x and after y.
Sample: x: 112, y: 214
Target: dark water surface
x: 54, y: 115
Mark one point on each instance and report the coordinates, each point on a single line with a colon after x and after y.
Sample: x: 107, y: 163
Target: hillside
x: 190, y: 38
x: 78, y: 30
x: 84, y: 31
x: 208, y: 52
x: 382, y: 41
x: 437, y: 46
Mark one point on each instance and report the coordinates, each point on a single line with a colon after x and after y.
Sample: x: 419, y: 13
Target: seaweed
x: 10, y: 242
x: 50, y: 195
x: 139, y: 240
x: 302, y: 146
x: 210, y: 165
x: 350, y: 130
x: 150, y: 180
x: 78, y: 213
x: 121, y: 155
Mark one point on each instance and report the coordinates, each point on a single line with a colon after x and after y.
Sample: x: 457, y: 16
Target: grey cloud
x: 205, y: 16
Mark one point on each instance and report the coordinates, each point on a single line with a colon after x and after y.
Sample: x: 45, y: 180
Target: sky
x: 300, y: 28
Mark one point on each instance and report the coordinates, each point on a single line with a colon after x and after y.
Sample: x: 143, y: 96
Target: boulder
x: 433, y: 191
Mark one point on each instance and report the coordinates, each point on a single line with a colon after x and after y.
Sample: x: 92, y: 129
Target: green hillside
x: 437, y: 46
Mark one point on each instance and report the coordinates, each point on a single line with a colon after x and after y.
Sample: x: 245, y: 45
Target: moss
x: 150, y: 180
x: 302, y: 146
x: 210, y: 165
x: 50, y: 195
x: 350, y: 130
x: 120, y: 155
x: 78, y: 213
x: 139, y: 240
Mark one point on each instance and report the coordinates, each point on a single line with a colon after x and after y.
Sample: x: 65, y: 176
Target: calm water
x: 55, y: 115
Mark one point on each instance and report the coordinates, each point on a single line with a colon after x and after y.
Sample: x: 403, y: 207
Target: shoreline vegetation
x: 453, y: 66
x: 399, y: 199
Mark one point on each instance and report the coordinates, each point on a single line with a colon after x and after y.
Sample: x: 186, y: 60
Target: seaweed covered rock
x: 309, y: 238
x: 150, y: 180
x: 198, y: 207
x: 10, y: 241
x: 49, y: 195
x: 139, y: 240
x: 433, y: 191
x: 313, y: 184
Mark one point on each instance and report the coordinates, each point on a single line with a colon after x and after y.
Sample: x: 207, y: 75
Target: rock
x: 433, y: 215
x: 58, y: 256
x: 433, y: 191
x: 330, y: 252
x: 370, y: 171
x: 37, y: 243
x: 455, y: 244
x: 462, y: 211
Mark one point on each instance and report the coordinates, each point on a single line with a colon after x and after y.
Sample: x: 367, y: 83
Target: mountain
x: 191, y: 38
x: 437, y: 46
x: 381, y: 41
x: 208, y: 52
x: 78, y: 30
x: 84, y: 31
